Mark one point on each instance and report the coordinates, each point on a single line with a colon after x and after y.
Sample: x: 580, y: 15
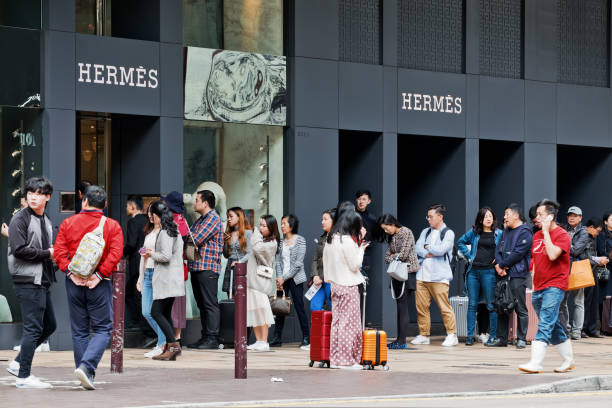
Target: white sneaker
x: 157, y: 350
x: 31, y: 382
x: 451, y: 340
x: 44, y: 347
x: 13, y: 368
x: 261, y: 346
x: 353, y: 367
x: 305, y: 348
x: 420, y: 340
x: 483, y: 338
x: 252, y: 346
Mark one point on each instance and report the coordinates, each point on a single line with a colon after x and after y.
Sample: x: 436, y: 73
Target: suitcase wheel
x: 385, y: 367
x: 322, y: 364
x: 221, y: 346
x: 311, y: 364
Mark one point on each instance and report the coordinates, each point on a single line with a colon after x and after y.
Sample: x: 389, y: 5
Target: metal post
x: 118, y: 314
x: 240, y: 329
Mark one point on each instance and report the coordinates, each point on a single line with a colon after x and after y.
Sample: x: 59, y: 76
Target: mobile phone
x: 549, y: 217
x: 142, y: 251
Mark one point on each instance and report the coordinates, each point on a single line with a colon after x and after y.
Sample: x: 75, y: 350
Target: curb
x: 580, y: 384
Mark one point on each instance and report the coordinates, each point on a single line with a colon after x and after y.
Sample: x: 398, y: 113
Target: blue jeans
x: 147, y: 303
x: 90, y: 309
x: 323, y: 295
x: 546, y: 303
x: 481, y: 280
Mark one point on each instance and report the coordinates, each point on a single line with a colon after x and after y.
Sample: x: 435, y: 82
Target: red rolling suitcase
x: 320, y: 330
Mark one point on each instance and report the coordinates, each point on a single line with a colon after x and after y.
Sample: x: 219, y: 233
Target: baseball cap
x: 574, y: 210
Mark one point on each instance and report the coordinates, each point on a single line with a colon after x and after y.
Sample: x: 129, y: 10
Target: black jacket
x: 134, y: 240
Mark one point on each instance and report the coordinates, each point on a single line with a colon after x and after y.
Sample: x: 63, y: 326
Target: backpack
x: 452, y: 260
x: 88, y: 254
x: 504, y: 299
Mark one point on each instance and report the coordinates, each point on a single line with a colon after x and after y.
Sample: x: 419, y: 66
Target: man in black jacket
x: 30, y: 262
x: 591, y: 294
x: 512, y: 257
x: 363, y: 198
x: 134, y: 240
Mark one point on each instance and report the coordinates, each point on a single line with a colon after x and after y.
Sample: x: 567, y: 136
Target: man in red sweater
x: 90, y: 300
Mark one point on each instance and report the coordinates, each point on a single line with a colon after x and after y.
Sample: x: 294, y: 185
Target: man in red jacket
x: 90, y: 300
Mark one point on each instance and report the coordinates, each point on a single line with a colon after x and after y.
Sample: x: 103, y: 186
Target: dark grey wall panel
x: 171, y: 154
x: 171, y: 21
x: 540, y: 172
x: 360, y: 96
x: 58, y: 88
x: 541, y: 40
x: 472, y: 180
x: 360, y: 34
x: 58, y: 15
x: 502, y: 109
x: 171, y: 79
x: 315, y: 93
x: 415, y: 120
x: 111, y: 97
x: 389, y: 27
x: 501, y: 38
x: 472, y: 107
x: 472, y: 36
x: 431, y: 35
x: 390, y: 99
x: 582, y: 115
x: 540, y: 112
x: 140, y: 154
x: 316, y: 29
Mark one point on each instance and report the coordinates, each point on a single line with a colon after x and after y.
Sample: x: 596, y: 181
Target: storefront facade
x: 463, y: 102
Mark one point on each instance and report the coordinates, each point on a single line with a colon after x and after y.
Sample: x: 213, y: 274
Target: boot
x: 173, y: 350
x: 538, y: 352
x: 164, y: 349
x: 566, y: 351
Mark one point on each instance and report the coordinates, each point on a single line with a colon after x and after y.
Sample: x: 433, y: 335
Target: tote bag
x: 581, y: 275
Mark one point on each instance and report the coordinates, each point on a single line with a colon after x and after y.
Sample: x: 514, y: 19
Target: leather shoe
x: 196, y: 344
x: 276, y: 341
x: 496, y: 343
x: 209, y: 345
x: 521, y: 344
x: 469, y: 341
x: 584, y: 335
x: 596, y: 335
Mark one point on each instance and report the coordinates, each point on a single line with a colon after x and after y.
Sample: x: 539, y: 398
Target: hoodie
x: 514, y: 251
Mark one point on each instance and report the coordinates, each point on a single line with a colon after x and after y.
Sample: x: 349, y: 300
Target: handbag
x: 192, y: 251
x: 265, y: 271
x: 581, y: 275
x: 280, y: 306
x: 398, y: 270
x: 504, y: 299
x: 603, y: 273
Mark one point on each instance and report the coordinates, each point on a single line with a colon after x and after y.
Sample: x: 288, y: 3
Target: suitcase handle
x: 364, y: 306
x: 231, y: 286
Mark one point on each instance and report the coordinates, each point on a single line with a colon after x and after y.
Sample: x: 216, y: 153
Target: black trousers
x: 205, y: 287
x: 518, y: 287
x: 38, y: 323
x: 297, y: 296
x: 591, y: 308
x: 161, y: 311
x: 403, y: 313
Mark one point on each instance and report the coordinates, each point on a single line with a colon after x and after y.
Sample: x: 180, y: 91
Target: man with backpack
x: 90, y: 300
x: 512, y: 257
x: 435, y: 250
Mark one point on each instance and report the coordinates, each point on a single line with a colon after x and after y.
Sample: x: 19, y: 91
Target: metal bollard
x: 240, y: 329
x: 118, y: 318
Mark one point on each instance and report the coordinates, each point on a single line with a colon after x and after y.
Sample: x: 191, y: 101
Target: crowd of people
x: 163, y: 252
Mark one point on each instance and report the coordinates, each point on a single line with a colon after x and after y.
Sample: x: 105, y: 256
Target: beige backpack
x: 88, y: 254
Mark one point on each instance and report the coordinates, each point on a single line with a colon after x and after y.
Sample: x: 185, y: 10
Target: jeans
x: 574, y: 323
x: 162, y: 313
x: 147, y: 303
x: 323, y: 295
x: 481, y: 280
x: 38, y: 323
x: 204, y: 284
x: 546, y: 303
x: 91, y: 312
x: 518, y: 286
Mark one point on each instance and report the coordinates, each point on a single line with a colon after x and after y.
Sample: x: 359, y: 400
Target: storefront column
x: 540, y: 172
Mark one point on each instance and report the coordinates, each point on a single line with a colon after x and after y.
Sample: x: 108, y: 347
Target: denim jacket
x: 471, y: 238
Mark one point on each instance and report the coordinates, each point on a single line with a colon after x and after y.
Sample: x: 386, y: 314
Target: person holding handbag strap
x: 260, y: 280
x: 402, y: 248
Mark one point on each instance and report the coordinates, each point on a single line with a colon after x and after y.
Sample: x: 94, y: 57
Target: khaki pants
x: 439, y: 291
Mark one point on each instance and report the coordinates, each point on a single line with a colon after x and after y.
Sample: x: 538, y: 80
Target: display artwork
x: 232, y: 86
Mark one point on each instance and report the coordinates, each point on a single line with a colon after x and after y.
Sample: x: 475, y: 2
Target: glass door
x: 94, y: 151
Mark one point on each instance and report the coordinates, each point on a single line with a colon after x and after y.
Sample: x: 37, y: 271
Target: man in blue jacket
x: 512, y: 258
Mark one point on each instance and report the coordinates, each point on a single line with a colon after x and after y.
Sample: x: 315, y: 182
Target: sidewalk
x: 207, y: 376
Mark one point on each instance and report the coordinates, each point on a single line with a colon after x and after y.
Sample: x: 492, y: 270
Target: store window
x: 20, y: 158
x: 21, y: 13
x: 93, y: 17
x: 248, y: 25
x: 20, y: 68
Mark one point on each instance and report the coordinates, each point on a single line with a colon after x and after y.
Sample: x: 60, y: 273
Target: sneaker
x: 261, y: 346
x: 13, y: 368
x: 157, y: 350
x: 252, y: 346
x: 483, y: 338
x: 305, y: 347
x: 31, y: 382
x: 351, y: 367
x: 420, y: 340
x: 85, y: 377
x: 451, y: 340
x: 397, y: 346
x: 575, y: 336
x: 44, y: 347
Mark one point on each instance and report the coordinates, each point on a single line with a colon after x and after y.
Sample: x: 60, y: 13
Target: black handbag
x: 504, y: 299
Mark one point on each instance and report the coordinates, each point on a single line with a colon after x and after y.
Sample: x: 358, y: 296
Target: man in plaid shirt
x: 207, y: 233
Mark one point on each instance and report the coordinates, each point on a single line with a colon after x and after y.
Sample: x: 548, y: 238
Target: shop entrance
x: 94, y: 149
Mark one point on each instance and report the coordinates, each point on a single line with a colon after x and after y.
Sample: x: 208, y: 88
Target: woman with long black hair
x: 401, y: 248
x: 168, y: 278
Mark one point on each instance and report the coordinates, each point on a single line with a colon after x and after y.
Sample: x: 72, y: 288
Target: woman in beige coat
x: 261, y: 280
x: 168, y: 281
